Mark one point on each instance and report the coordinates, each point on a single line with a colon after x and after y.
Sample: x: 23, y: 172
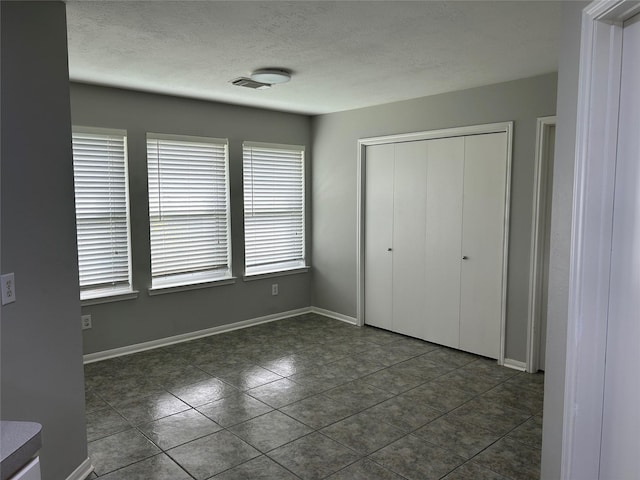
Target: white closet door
x: 409, y: 219
x: 445, y: 162
x: 485, y: 176
x: 379, y: 236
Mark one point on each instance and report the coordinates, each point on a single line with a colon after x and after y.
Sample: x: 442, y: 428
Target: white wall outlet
x: 274, y: 289
x: 8, y: 288
x: 86, y: 322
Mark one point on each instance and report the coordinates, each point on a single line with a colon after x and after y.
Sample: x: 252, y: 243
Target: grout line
x: 328, y: 339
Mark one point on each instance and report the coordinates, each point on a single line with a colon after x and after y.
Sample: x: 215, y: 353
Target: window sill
x: 191, y: 286
x: 278, y: 273
x: 110, y: 297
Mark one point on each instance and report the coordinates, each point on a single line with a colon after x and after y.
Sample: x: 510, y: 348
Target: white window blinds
x: 274, y: 222
x: 102, y: 211
x: 188, y: 209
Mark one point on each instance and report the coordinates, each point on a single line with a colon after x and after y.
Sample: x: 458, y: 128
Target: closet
x: 434, y: 239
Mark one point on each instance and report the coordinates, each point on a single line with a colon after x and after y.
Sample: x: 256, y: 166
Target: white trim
x: 164, y: 289
x: 185, y: 337
x: 360, y: 229
x: 257, y: 182
x: 276, y: 273
x: 187, y: 138
x: 515, y: 364
x: 433, y: 134
x: 117, y: 297
x: 538, y: 222
x: 275, y: 146
x: 591, y: 232
x: 83, y: 470
x: 98, y: 130
x: 86, y: 191
x: 506, y: 127
x: 334, y: 315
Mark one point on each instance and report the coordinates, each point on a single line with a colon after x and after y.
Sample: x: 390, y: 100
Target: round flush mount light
x: 271, y: 75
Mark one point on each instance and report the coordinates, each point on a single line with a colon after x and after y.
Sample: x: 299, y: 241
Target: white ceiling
x: 344, y: 54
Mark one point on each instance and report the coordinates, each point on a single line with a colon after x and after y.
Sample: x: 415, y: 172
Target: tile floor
x: 310, y: 398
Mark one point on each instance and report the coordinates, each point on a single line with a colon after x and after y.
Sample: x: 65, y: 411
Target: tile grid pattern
x: 309, y: 398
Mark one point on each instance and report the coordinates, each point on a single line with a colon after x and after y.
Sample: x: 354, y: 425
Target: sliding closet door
x: 409, y: 224
x: 379, y: 236
x: 445, y: 163
x: 483, y: 218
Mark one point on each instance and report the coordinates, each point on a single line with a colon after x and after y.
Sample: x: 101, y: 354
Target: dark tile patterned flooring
x: 310, y: 398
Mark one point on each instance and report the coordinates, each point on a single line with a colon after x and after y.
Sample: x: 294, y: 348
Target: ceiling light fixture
x: 271, y: 75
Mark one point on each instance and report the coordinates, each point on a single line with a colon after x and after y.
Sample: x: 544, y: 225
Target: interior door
x: 409, y: 219
x: 378, y: 287
x: 445, y: 163
x: 483, y: 224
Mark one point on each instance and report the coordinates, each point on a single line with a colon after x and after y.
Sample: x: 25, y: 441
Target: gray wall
x: 41, y: 344
x: 335, y: 138
x: 153, y: 317
x: 560, y: 251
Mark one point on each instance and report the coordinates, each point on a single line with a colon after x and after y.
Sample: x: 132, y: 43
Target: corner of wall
x: 42, y: 376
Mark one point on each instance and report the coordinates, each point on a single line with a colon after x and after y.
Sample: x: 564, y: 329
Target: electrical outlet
x: 274, y: 289
x: 86, y: 322
x: 8, y: 288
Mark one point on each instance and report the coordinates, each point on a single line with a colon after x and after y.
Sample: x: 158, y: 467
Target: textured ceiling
x: 344, y: 55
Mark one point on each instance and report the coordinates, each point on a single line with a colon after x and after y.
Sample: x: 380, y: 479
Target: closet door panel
x: 485, y: 176
x: 409, y: 219
x: 445, y: 162
x: 378, y: 279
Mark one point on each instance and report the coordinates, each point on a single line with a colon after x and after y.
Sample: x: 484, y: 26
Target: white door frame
x: 363, y: 143
x: 538, y: 223
x: 592, y: 220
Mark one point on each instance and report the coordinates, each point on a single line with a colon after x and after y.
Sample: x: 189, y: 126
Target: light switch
x: 8, y: 288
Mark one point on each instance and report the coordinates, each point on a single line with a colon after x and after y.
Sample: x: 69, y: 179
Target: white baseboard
x: 185, y: 337
x: 83, y: 471
x: 334, y: 315
x: 515, y: 364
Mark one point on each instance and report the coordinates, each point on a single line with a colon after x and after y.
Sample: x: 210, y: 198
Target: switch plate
x: 86, y: 322
x: 8, y: 288
x: 274, y: 289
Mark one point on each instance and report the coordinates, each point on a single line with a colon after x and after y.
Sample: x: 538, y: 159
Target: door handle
x: 465, y: 257
x: 389, y: 249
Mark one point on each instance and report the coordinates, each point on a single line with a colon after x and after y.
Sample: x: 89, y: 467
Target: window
x: 102, y: 212
x: 274, y: 224
x: 188, y: 210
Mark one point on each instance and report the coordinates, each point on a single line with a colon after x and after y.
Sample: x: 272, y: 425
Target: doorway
x: 540, y: 243
x: 601, y: 390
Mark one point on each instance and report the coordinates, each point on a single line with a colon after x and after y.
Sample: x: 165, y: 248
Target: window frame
x: 189, y: 280
x: 103, y: 294
x: 286, y: 267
